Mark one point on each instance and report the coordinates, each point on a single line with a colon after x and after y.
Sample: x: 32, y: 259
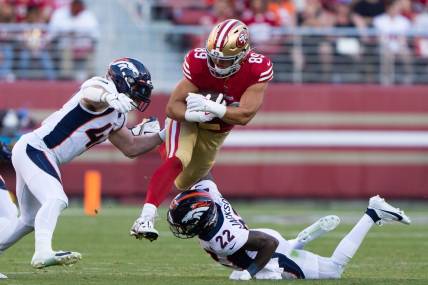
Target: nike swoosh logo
x: 394, y: 214
x: 232, y: 246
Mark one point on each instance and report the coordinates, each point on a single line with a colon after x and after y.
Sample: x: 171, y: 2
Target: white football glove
x: 243, y: 275
x: 147, y: 126
x: 198, y: 116
x: 198, y: 102
x: 119, y: 102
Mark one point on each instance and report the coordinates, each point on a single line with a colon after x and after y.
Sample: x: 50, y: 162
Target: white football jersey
x: 230, y: 234
x: 73, y: 129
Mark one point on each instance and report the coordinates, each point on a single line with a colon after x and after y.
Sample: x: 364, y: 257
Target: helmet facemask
x: 140, y: 94
x: 224, y: 66
x: 132, y: 79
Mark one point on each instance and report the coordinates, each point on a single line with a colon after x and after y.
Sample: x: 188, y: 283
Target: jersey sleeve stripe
x: 186, y: 69
x: 266, y: 72
x: 186, y: 64
x: 269, y: 77
x: 187, y: 76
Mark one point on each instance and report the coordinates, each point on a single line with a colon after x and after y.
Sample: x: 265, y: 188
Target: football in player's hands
x: 213, y: 96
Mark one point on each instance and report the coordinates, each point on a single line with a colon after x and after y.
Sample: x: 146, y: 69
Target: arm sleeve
x: 192, y: 66
x: 264, y: 71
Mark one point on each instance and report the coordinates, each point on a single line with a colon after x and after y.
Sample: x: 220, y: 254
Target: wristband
x: 253, y: 269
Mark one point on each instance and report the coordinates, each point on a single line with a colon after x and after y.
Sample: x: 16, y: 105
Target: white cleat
x: 55, y: 258
x: 144, y: 228
x: 386, y: 212
x: 319, y: 228
x: 2, y: 276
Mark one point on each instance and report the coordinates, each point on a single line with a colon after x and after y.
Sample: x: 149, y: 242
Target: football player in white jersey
x: 264, y: 253
x: 97, y: 112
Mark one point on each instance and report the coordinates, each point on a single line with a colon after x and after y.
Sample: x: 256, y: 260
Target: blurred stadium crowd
x: 335, y: 41
x: 63, y: 51
x: 334, y: 36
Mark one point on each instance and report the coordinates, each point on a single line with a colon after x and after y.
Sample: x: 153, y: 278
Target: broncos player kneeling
x: 97, y: 112
x: 264, y: 253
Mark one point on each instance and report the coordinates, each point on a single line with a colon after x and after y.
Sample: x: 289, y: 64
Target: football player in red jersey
x: 196, y: 126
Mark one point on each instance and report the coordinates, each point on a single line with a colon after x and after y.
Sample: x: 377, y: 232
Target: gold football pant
x: 195, y: 147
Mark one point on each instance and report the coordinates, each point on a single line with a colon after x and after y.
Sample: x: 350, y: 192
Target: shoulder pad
x: 102, y: 82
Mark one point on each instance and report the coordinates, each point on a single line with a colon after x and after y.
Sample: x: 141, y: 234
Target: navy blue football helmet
x: 191, y: 213
x: 133, y: 79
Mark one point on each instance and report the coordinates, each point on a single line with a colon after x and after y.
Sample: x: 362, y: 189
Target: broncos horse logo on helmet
x: 192, y: 212
x: 132, y: 78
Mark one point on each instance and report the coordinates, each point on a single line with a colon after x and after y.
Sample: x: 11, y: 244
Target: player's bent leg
x: 42, y: 179
x: 377, y: 212
x: 180, y: 140
x: 328, y: 269
x: 316, y: 230
x: 203, y: 158
x: 18, y: 227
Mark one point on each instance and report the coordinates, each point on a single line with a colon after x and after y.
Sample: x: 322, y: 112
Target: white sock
x: 45, y: 224
x: 149, y: 211
x: 349, y: 245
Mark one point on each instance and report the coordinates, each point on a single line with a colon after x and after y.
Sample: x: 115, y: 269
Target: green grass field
x: 392, y: 254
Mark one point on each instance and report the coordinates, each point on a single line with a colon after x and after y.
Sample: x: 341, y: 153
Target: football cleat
x: 2, y: 276
x: 319, y: 228
x: 386, y: 212
x: 55, y: 258
x: 144, y: 228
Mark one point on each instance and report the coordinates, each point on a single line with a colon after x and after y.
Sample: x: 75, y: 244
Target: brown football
x: 214, y: 95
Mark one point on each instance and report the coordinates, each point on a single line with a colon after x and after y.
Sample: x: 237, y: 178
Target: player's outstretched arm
x: 265, y: 245
x: 134, y: 143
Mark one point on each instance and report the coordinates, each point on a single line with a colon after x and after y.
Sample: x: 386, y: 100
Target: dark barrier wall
x: 307, y: 141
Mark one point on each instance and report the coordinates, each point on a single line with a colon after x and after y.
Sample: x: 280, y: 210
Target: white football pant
x: 40, y: 194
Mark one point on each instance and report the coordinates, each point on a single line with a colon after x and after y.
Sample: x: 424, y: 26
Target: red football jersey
x: 255, y: 68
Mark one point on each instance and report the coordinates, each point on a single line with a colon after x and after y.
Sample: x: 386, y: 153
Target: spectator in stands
x: 33, y: 49
x: 220, y: 11
x: 74, y: 31
x: 366, y: 10
x: 23, y: 7
x: 347, y: 49
x: 420, y: 26
x: 393, y: 29
x: 285, y: 12
x: 6, y: 43
x: 317, y: 47
x: 260, y: 21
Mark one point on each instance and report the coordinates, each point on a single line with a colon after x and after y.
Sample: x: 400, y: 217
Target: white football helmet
x: 227, y: 45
